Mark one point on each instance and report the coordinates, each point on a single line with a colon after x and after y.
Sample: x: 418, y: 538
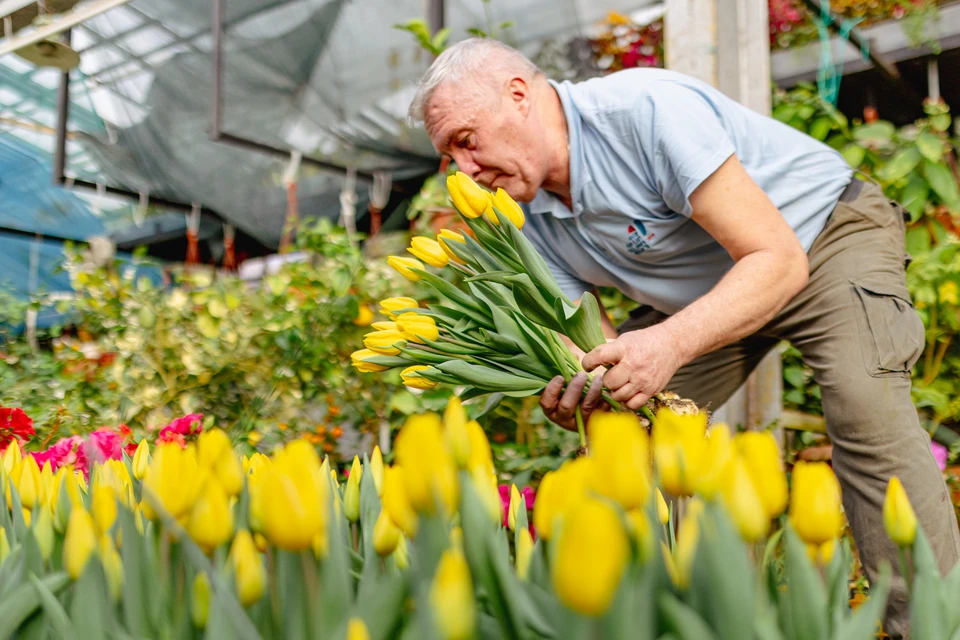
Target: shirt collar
x: 545, y: 202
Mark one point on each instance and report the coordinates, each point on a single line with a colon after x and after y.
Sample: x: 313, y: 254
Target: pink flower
x: 64, y: 452
x: 188, y: 425
x: 940, y: 454
x: 106, y: 444
x: 528, y: 494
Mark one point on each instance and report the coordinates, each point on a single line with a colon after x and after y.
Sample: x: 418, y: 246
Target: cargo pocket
x: 891, y: 332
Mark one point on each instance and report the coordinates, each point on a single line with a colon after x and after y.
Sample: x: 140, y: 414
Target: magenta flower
x: 64, y: 452
x: 940, y: 454
x: 528, y: 494
x: 179, y: 429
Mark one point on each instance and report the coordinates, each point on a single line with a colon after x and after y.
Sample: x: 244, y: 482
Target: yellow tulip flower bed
x: 190, y: 540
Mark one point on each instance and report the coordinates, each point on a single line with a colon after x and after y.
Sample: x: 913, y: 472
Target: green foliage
x: 917, y: 166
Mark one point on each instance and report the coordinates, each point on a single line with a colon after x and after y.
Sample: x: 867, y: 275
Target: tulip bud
x: 79, y: 541
x: 815, y: 506
x: 821, y: 554
x: 384, y: 325
x: 485, y: 483
x: 30, y: 486
x: 386, y: 535
x: 679, y: 444
x: 663, y: 511
x: 524, y: 553
x: 173, y: 477
x: 560, y: 491
x: 742, y: 501
x: 428, y: 250
x: 103, y: 503
x: 112, y: 567
x: 211, y: 519
x: 295, y: 498
x: 357, y: 630
x: 417, y: 328
x: 480, y: 455
x: 451, y: 597
x: 429, y: 472
x: 642, y: 532
x: 141, y: 460
x: 762, y: 457
x: 404, y: 267
x: 364, y: 316
x: 12, y: 457
x: 43, y: 532
x: 401, y: 556
x: 391, y: 306
x: 385, y: 342
x: 396, y: 503
x: 446, y: 236
x: 249, y: 573
x: 717, y: 454
x: 455, y: 433
x: 468, y: 197
x: 376, y: 469
x: 351, y: 497
x: 619, y: 446
x: 514, y: 507
x: 507, y: 206
x: 359, y: 359
x: 215, y: 452
x: 679, y: 563
x: 200, y: 600
x: 899, y: 518
x: 592, y: 553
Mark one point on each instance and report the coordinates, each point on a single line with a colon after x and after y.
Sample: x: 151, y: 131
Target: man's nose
x: 466, y: 164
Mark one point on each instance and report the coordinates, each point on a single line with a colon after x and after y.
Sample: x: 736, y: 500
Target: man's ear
x: 518, y: 92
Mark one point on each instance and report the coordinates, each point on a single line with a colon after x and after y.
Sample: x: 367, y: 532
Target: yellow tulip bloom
x: 410, y: 378
x: 513, y: 508
x: 103, y: 503
x: 417, y: 328
x: 480, y: 454
x: 429, y: 251
x: 79, y: 541
x: 357, y: 630
x: 351, y: 496
x: 112, y: 567
x: 376, y: 469
x: 821, y: 554
x: 403, y: 266
x: 663, y: 511
x: 679, y: 445
x: 592, y: 553
x: 391, y: 306
x: 742, y: 500
x: 358, y: 359
x: 211, y: 519
x: 386, y: 535
x: 364, y: 316
x: 815, y: 506
x: 30, y: 486
x: 451, y: 597
x: 141, y: 459
x: 12, y: 457
x: 429, y: 472
x: 717, y: 455
x: 173, y: 478
x: 468, y: 197
x: 899, y: 518
x: 560, y: 491
x: 485, y: 483
x: 385, y: 326
x: 507, y: 206
x: 215, y: 453
x: 295, y: 498
x: 445, y: 237
x: 762, y: 457
x: 456, y: 436
x: 385, y: 342
x: 249, y: 573
x: 524, y: 553
x: 396, y: 502
x: 620, y: 449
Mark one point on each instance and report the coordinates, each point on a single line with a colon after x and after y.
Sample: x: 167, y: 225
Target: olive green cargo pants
x: 857, y: 329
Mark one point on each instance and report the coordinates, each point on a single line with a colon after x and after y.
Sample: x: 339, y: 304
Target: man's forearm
x: 745, y: 299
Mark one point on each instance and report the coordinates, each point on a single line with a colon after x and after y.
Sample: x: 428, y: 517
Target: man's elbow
x: 797, y: 270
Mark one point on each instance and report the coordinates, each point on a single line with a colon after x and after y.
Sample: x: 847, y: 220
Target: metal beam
x: 63, y: 114
x: 216, y: 110
x: 9, y: 7
x: 58, y: 25
x: 435, y: 15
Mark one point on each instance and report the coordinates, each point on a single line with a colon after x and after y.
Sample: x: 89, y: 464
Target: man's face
x: 492, y: 138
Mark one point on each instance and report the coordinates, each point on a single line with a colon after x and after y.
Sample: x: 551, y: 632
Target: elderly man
x: 733, y: 232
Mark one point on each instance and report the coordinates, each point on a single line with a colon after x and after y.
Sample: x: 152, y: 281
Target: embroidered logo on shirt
x: 638, y: 240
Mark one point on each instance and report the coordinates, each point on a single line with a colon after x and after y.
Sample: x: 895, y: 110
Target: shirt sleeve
x: 688, y: 140
x: 572, y: 286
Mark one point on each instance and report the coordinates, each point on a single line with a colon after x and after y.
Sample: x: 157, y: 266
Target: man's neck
x: 554, y: 122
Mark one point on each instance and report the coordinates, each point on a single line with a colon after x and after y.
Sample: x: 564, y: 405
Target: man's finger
x: 608, y: 353
x: 571, y: 397
x: 617, y: 377
x: 551, y: 393
x: 594, y: 395
x: 626, y: 392
x: 637, y: 401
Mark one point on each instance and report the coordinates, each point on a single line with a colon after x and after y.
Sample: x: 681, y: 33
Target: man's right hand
x: 561, y: 409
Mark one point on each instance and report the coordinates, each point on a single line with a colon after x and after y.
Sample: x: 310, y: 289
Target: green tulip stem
x: 906, y: 569
x: 580, y: 428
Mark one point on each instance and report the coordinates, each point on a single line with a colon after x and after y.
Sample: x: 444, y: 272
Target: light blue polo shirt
x: 641, y: 141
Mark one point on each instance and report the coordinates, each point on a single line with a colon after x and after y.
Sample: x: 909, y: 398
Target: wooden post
x: 727, y: 44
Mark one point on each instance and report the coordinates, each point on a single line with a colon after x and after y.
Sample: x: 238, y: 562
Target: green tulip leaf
x: 806, y: 595
x: 684, y: 621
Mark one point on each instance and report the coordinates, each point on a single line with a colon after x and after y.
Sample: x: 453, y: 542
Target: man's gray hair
x: 464, y: 59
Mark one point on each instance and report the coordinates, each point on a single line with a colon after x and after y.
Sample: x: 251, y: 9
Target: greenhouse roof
x: 328, y: 78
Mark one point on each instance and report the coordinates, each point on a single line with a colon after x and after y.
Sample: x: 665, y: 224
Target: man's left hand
x: 641, y: 364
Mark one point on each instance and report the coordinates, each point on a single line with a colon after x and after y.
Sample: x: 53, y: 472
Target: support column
x: 726, y: 43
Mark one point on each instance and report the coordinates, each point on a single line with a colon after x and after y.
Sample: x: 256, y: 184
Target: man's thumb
x: 605, y: 354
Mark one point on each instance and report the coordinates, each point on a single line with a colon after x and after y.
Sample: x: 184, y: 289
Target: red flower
x: 14, y: 423
x: 188, y: 425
